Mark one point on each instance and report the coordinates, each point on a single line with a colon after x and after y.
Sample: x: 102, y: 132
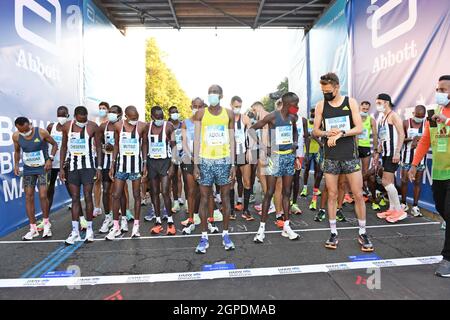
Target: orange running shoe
x: 186, y: 222
x: 171, y: 231
x: 239, y: 207
x: 157, y: 229
x: 280, y: 223
x: 211, y: 220
x: 384, y: 215
x: 348, y: 199
x: 397, y: 216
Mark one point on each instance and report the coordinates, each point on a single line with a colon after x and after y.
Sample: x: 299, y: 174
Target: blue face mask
x: 112, y: 117
x: 158, y: 123
x: 418, y: 120
x: 102, y: 113
x: 442, y: 98
x: 213, y: 99
x: 364, y: 114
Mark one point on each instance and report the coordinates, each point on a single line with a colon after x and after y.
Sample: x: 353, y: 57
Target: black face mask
x: 329, y: 96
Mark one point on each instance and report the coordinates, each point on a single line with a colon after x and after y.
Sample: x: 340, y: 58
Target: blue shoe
x: 129, y: 215
x: 150, y: 214
x: 202, y: 246
x: 227, y: 243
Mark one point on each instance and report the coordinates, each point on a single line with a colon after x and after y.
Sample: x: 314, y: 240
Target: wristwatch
x: 343, y: 133
x: 99, y: 168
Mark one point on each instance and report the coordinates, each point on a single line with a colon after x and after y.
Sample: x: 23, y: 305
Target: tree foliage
x: 282, y: 88
x: 161, y: 86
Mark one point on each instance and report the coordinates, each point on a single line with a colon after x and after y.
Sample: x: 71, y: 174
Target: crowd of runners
x: 216, y: 158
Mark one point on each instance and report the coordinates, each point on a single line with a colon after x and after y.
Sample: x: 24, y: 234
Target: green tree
x: 282, y: 88
x: 161, y: 86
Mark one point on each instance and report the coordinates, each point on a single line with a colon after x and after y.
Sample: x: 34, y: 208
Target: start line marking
x: 73, y: 282
x: 232, y: 234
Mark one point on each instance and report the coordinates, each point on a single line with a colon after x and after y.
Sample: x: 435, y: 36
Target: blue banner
x: 400, y: 47
x: 328, y: 50
x: 40, y: 59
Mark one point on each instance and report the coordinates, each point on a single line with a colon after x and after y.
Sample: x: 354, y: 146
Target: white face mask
x: 81, y: 124
x: 194, y: 111
x: 112, y: 117
x: 237, y: 111
x: 62, y: 120
x: 381, y: 108
x: 175, y: 116
x: 133, y: 122
x: 26, y: 134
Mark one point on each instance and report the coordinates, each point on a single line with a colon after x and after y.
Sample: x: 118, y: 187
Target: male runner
x: 176, y: 182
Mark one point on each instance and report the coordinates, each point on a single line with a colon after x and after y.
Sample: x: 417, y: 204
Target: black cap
x: 385, y: 97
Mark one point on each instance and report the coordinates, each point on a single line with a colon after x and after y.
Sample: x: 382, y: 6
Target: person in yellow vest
x: 364, y: 146
x: 214, y: 161
x: 437, y: 135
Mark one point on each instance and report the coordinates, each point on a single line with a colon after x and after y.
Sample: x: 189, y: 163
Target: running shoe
x: 405, y: 207
x: 383, y: 202
x: 83, y: 223
x: 218, y: 199
x: 443, y: 225
x: 295, y: 209
x: 189, y: 229
x: 181, y: 203
x: 113, y: 233
x: 212, y: 227
x: 348, y: 199
x: 366, y: 244
x: 202, y: 246
x: 340, y: 216
x: 304, y: 192
x: 107, y: 223
x: 89, y: 236
x: 376, y: 207
x: 47, y: 231
x: 258, y: 207
x: 30, y: 235
x: 150, y: 214
x: 252, y: 198
x: 187, y: 222
x: 321, y: 215
x: 289, y: 233
x: 443, y: 269
x: 124, y: 224
x: 397, y: 216
x: 40, y: 225
x: 171, y: 231
x: 176, y: 206
x: 415, y: 211
x: 259, y: 238
x: 366, y: 198
x: 227, y: 243
x: 272, y: 209
x: 385, y: 214
x: 232, y: 215
x: 197, y: 219
x: 129, y: 215
x: 333, y: 242
x: 97, y: 212
x: 157, y: 229
x: 247, y: 216
x: 318, y: 193
x: 73, y: 237
x: 135, y: 232
x: 69, y: 206
x: 239, y: 207
x: 313, y: 204
x: 280, y: 222
x: 218, y: 216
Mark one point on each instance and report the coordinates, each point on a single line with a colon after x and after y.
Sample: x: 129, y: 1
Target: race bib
x: 129, y: 146
x: 157, y: 150
x: 283, y: 135
x: 382, y: 133
x: 58, y: 139
x: 240, y: 137
x: 412, y: 133
x: 340, y: 123
x: 34, y: 159
x: 178, y: 139
x: 364, y: 135
x: 78, y: 147
x: 216, y: 135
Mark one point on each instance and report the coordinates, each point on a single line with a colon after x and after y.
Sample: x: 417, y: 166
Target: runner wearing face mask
x: 78, y: 144
x: 32, y: 143
x: 414, y: 129
x: 176, y: 182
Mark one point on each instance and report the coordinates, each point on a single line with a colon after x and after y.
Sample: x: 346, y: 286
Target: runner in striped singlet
x: 78, y: 145
x: 130, y: 145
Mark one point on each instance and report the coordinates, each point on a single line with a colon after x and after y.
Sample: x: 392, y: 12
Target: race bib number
x: 129, y: 147
x: 157, y: 150
x: 109, y: 139
x: 34, y: 159
x: 58, y: 139
x: 283, y: 135
x: 78, y: 147
x: 364, y: 135
x: 382, y: 133
x: 340, y: 123
x: 412, y: 133
x: 216, y: 135
x: 178, y: 139
x: 240, y: 137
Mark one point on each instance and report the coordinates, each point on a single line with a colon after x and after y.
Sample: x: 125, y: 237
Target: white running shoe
x: 415, y: 211
x: 272, y: 209
x: 259, y: 238
x: 30, y: 235
x: 47, y: 230
x: 189, y: 230
x: 89, y: 236
x: 73, y: 237
x: 113, y: 234
x: 197, y: 219
x: 289, y: 233
x: 405, y: 207
x: 135, y: 232
x: 107, y: 223
x: 176, y: 206
x: 212, y: 229
x: 124, y: 224
x: 97, y: 212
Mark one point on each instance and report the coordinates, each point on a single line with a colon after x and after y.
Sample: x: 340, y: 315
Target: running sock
x: 362, y: 227
x: 239, y: 199
x: 180, y: 201
x: 116, y: 224
x: 89, y: 225
x: 75, y: 226
x: 224, y: 233
x: 170, y: 219
x: 136, y: 223
x: 33, y: 227
x: 286, y: 223
x: 46, y: 220
x: 247, y: 193
x: 333, y: 227
x: 232, y: 199
x: 262, y: 226
x: 393, y: 197
x: 205, y: 235
x: 158, y: 220
x: 278, y: 215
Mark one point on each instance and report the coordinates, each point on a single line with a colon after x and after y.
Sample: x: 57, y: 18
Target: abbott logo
x: 380, y: 40
x: 32, y: 37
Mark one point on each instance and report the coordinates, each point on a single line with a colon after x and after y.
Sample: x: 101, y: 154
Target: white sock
x: 170, y: 219
x: 205, y: 235
x: 136, y: 223
x: 239, y: 199
x: 394, y: 201
x: 180, y: 200
x: 158, y: 220
x: 89, y: 225
x: 279, y: 215
x: 286, y: 223
x: 225, y: 232
x: 262, y: 226
x: 76, y: 227
x: 362, y: 226
x: 333, y: 226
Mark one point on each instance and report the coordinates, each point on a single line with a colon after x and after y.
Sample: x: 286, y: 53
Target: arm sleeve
x: 423, y: 146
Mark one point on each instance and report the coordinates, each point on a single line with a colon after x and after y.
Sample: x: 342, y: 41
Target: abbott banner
x: 400, y: 47
x: 40, y: 54
x: 328, y: 50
